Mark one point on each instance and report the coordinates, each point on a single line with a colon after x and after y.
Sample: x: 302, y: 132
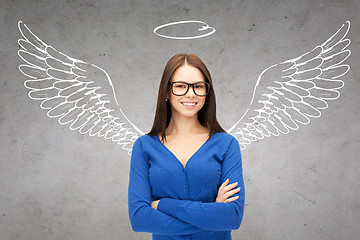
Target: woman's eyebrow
x: 189, y: 82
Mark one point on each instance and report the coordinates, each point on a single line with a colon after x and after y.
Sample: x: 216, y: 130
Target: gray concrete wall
x: 59, y: 184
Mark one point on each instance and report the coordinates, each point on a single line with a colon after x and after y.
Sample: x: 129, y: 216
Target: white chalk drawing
x: 204, y: 30
x: 285, y: 95
x: 291, y: 92
x: 76, y: 92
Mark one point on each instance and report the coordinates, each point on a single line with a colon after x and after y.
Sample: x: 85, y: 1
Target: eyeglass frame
x: 208, y: 85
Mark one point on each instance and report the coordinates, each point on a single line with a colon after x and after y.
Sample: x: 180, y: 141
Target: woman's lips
x: 189, y: 106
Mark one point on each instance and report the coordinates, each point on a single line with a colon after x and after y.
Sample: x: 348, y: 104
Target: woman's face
x: 188, y: 74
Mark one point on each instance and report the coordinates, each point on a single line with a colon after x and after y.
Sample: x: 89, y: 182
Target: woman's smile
x: 189, y: 105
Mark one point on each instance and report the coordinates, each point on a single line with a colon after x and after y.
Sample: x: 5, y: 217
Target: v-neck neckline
x: 192, y: 156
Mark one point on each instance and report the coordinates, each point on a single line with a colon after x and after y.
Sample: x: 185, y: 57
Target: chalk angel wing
x: 294, y: 91
x: 76, y: 92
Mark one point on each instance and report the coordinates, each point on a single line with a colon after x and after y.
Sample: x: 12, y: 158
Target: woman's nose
x: 190, y: 92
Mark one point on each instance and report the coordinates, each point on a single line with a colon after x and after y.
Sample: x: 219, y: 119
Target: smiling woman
x: 180, y: 171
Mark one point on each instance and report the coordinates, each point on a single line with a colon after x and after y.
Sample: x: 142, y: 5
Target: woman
x: 180, y: 170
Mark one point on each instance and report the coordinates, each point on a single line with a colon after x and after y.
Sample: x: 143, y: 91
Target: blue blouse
x: 187, y: 207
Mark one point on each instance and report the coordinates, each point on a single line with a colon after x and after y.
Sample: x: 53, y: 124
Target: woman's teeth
x: 188, y: 104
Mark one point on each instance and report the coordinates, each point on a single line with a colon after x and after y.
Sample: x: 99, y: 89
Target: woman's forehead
x: 188, y: 74
x: 189, y: 81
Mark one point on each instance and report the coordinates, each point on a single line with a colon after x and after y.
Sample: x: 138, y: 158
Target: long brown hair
x: 206, y: 115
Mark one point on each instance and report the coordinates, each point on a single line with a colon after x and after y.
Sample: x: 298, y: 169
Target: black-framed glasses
x: 181, y: 88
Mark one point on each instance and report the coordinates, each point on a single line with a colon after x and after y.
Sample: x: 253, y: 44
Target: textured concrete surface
x: 59, y: 184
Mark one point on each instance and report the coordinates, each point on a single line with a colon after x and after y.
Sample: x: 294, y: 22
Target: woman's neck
x: 185, y: 126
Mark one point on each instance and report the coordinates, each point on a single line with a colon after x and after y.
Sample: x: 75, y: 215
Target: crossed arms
x: 179, y: 217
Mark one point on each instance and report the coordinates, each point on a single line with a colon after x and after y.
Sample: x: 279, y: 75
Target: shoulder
x: 224, y: 146
x: 224, y: 136
x: 144, y: 144
x: 228, y: 142
x: 225, y: 139
x: 144, y: 139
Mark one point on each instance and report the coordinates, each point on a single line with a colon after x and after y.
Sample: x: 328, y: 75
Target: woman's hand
x: 225, y: 192
x: 155, y: 203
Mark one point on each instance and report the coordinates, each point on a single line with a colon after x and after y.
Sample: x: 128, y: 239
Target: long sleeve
x: 143, y: 217
x: 214, y: 216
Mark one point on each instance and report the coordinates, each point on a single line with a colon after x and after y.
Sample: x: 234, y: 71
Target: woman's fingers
x: 231, y: 199
x: 231, y: 186
x: 224, y: 184
x: 155, y: 203
x: 225, y: 191
x: 222, y: 187
x: 232, y: 192
x: 220, y: 196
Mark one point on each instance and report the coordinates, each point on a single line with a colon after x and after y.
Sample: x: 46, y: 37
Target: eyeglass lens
x: 181, y: 88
